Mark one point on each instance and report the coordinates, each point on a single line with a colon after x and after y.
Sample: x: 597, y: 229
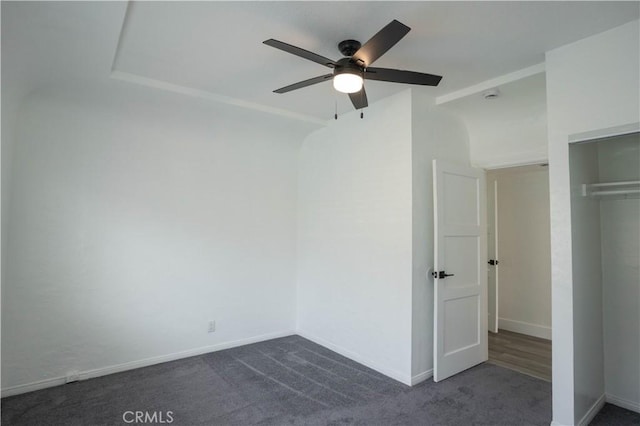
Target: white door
x: 460, y: 317
x: 492, y: 246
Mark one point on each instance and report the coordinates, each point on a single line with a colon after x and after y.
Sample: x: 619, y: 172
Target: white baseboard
x: 529, y: 329
x: 33, y: 386
x: 624, y: 403
x: 421, y: 377
x: 389, y: 372
x: 103, y: 371
x: 595, y: 408
x: 491, y: 320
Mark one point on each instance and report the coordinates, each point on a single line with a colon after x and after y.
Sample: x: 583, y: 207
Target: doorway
x: 519, y: 269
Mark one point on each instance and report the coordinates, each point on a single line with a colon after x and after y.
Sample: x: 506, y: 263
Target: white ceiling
x: 525, y: 96
x: 516, y: 118
x: 216, y: 47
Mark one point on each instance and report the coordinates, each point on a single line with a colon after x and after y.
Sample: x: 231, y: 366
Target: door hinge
x: 493, y: 262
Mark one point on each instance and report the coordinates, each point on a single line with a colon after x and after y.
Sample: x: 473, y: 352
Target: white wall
x: 135, y: 219
x: 354, y: 236
x: 592, y: 84
x: 10, y: 106
x: 588, y: 358
x: 619, y: 160
x: 436, y: 133
x: 366, y: 232
x: 524, y: 301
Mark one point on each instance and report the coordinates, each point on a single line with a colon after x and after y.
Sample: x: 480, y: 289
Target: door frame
x: 493, y: 286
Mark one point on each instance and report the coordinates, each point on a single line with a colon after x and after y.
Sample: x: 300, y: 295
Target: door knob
x: 440, y: 275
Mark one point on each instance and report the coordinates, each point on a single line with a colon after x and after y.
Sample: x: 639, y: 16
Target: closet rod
x: 629, y: 182
x: 619, y: 192
x: 615, y: 188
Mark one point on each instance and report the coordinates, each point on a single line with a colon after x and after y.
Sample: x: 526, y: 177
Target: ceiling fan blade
x: 400, y: 76
x: 305, y: 83
x: 381, y: 42
x: 300, y: 52
x: 359, y: 99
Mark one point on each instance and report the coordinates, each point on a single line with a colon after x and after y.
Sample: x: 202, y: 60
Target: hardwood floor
x: 526, y: 354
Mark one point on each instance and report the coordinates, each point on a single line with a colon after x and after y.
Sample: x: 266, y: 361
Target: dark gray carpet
x: 281, y: 382
x: 612, y: 415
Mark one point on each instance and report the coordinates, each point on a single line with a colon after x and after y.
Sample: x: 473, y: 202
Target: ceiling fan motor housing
x: 349, y: 47
x: 347, y: 65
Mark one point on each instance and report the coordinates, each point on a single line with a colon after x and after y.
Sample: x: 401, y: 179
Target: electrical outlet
x: 212, y: 326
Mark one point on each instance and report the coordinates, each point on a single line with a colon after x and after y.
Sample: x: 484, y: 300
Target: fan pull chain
x: 361, y: 96
x: 336, y: 104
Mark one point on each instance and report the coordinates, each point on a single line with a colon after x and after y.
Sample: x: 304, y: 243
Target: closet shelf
x: 630, y: 187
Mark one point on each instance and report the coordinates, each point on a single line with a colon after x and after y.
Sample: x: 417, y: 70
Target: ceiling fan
x: 350, y: 72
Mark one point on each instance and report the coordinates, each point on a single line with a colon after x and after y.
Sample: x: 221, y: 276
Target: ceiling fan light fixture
x: 347, y: 82
x: 349, y: 72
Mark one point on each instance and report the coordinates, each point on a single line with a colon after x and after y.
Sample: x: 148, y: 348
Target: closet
x: 605, y: 217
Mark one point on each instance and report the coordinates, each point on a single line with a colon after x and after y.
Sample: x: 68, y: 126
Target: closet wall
x: 588, y: 361
x: 619, y: 160
x: 606, y: 258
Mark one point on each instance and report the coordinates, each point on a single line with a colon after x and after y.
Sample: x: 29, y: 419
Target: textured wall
x: 592, y: 86
x: 136, y: 218
x: 619, y: 160
x: 354, y: 236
